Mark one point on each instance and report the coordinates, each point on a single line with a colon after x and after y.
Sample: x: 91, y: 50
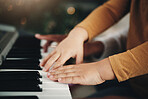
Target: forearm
x: 131, y: 63
x: 78, y: 33
x: 113, y: 39
x: 105, y: 70
x: 104, y: 16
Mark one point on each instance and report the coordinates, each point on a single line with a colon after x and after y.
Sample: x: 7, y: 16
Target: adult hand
x: 71, y: 46
x: 50, y: 38
x: 84, y: 74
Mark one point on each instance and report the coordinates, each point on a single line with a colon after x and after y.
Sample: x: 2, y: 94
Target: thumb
x: 79, y: 58
x: 38, y: 36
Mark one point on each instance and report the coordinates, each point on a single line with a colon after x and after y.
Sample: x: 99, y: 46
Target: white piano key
x: 54, y: 85
x: 54, y: 97
x: 45, y: 91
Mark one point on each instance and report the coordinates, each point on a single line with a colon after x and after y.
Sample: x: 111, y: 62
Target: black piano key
x: 27, y: 41
x: 24, y: 52
x: 22, y: 61
x: 16, y: 80
x: 30, y: 67
x: 20, y: 82
x: 33, y: 79
x: 27, y: 45
x: 19, y: 87
x: 30, y: 45
x: 16, y: 49
x: 31, y: 64
x: 19, y: 74
x: 21, y: 64
x: 19, y: 97
x: 23, y: 56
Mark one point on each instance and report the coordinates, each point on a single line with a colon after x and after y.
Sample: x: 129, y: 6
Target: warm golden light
x: 37, y: 0
x: 20, y: 2
x: 71, y: 10
x: 10, y: 7
x: 23, y: 21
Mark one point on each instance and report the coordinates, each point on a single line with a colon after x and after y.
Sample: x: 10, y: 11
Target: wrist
x: 78, y: 33
x: 105, y: 69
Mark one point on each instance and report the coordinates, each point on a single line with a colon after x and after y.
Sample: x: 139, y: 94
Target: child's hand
x: 72, y: 46
x: 84, y: 74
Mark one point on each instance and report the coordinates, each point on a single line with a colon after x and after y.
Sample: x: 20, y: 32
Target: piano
x: 20, y: 75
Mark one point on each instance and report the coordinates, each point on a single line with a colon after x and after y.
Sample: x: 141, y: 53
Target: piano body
x: 20, y: 75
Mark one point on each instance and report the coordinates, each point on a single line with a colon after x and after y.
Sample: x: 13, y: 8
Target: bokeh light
x: 19, y: 2
x: 45, y: 16
x: 71, y: 10
x: 23, y: 21
x: 10, y: 8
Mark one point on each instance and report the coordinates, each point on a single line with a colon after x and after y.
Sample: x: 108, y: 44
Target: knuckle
x: 69, y: 74
x: 59, y: 75
x: 48, y: 63
x: 75, y: 67
x: 55, y: 67
x: 53, y: 57
x: 72, y: 66
x: 62, y: 68
x: 56, y: 76
x: 44, y: 59
x: 78, y: 73
x: 66, y: 74
x: 72, y: 79
x: 66, y: 80
x: 63, y: 75
x: 63, y: 71
x: 47, y: 66
x: 58, y: 63
x: 57, y: 72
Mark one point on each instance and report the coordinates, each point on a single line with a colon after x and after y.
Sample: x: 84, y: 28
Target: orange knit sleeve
x: 131, y: 63
x: 104, y: 16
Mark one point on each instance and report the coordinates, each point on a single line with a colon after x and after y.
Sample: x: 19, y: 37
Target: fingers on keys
x: 54, y: 60
x: 46, y: 58
x: 50, y: 61
x: 66, y: 74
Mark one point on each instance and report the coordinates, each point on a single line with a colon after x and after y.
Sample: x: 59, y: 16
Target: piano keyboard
x: 22, y: 78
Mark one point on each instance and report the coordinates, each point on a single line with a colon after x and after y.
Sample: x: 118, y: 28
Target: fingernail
x: 41, y: 64
x: 52, y: 71
x: 44, y: 69
x: 51, y: 76
x: 37, y: 34
x: 59, y: 79
x: 48, y: 74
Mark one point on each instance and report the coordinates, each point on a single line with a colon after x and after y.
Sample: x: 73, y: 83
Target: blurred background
x: 45, y: 16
